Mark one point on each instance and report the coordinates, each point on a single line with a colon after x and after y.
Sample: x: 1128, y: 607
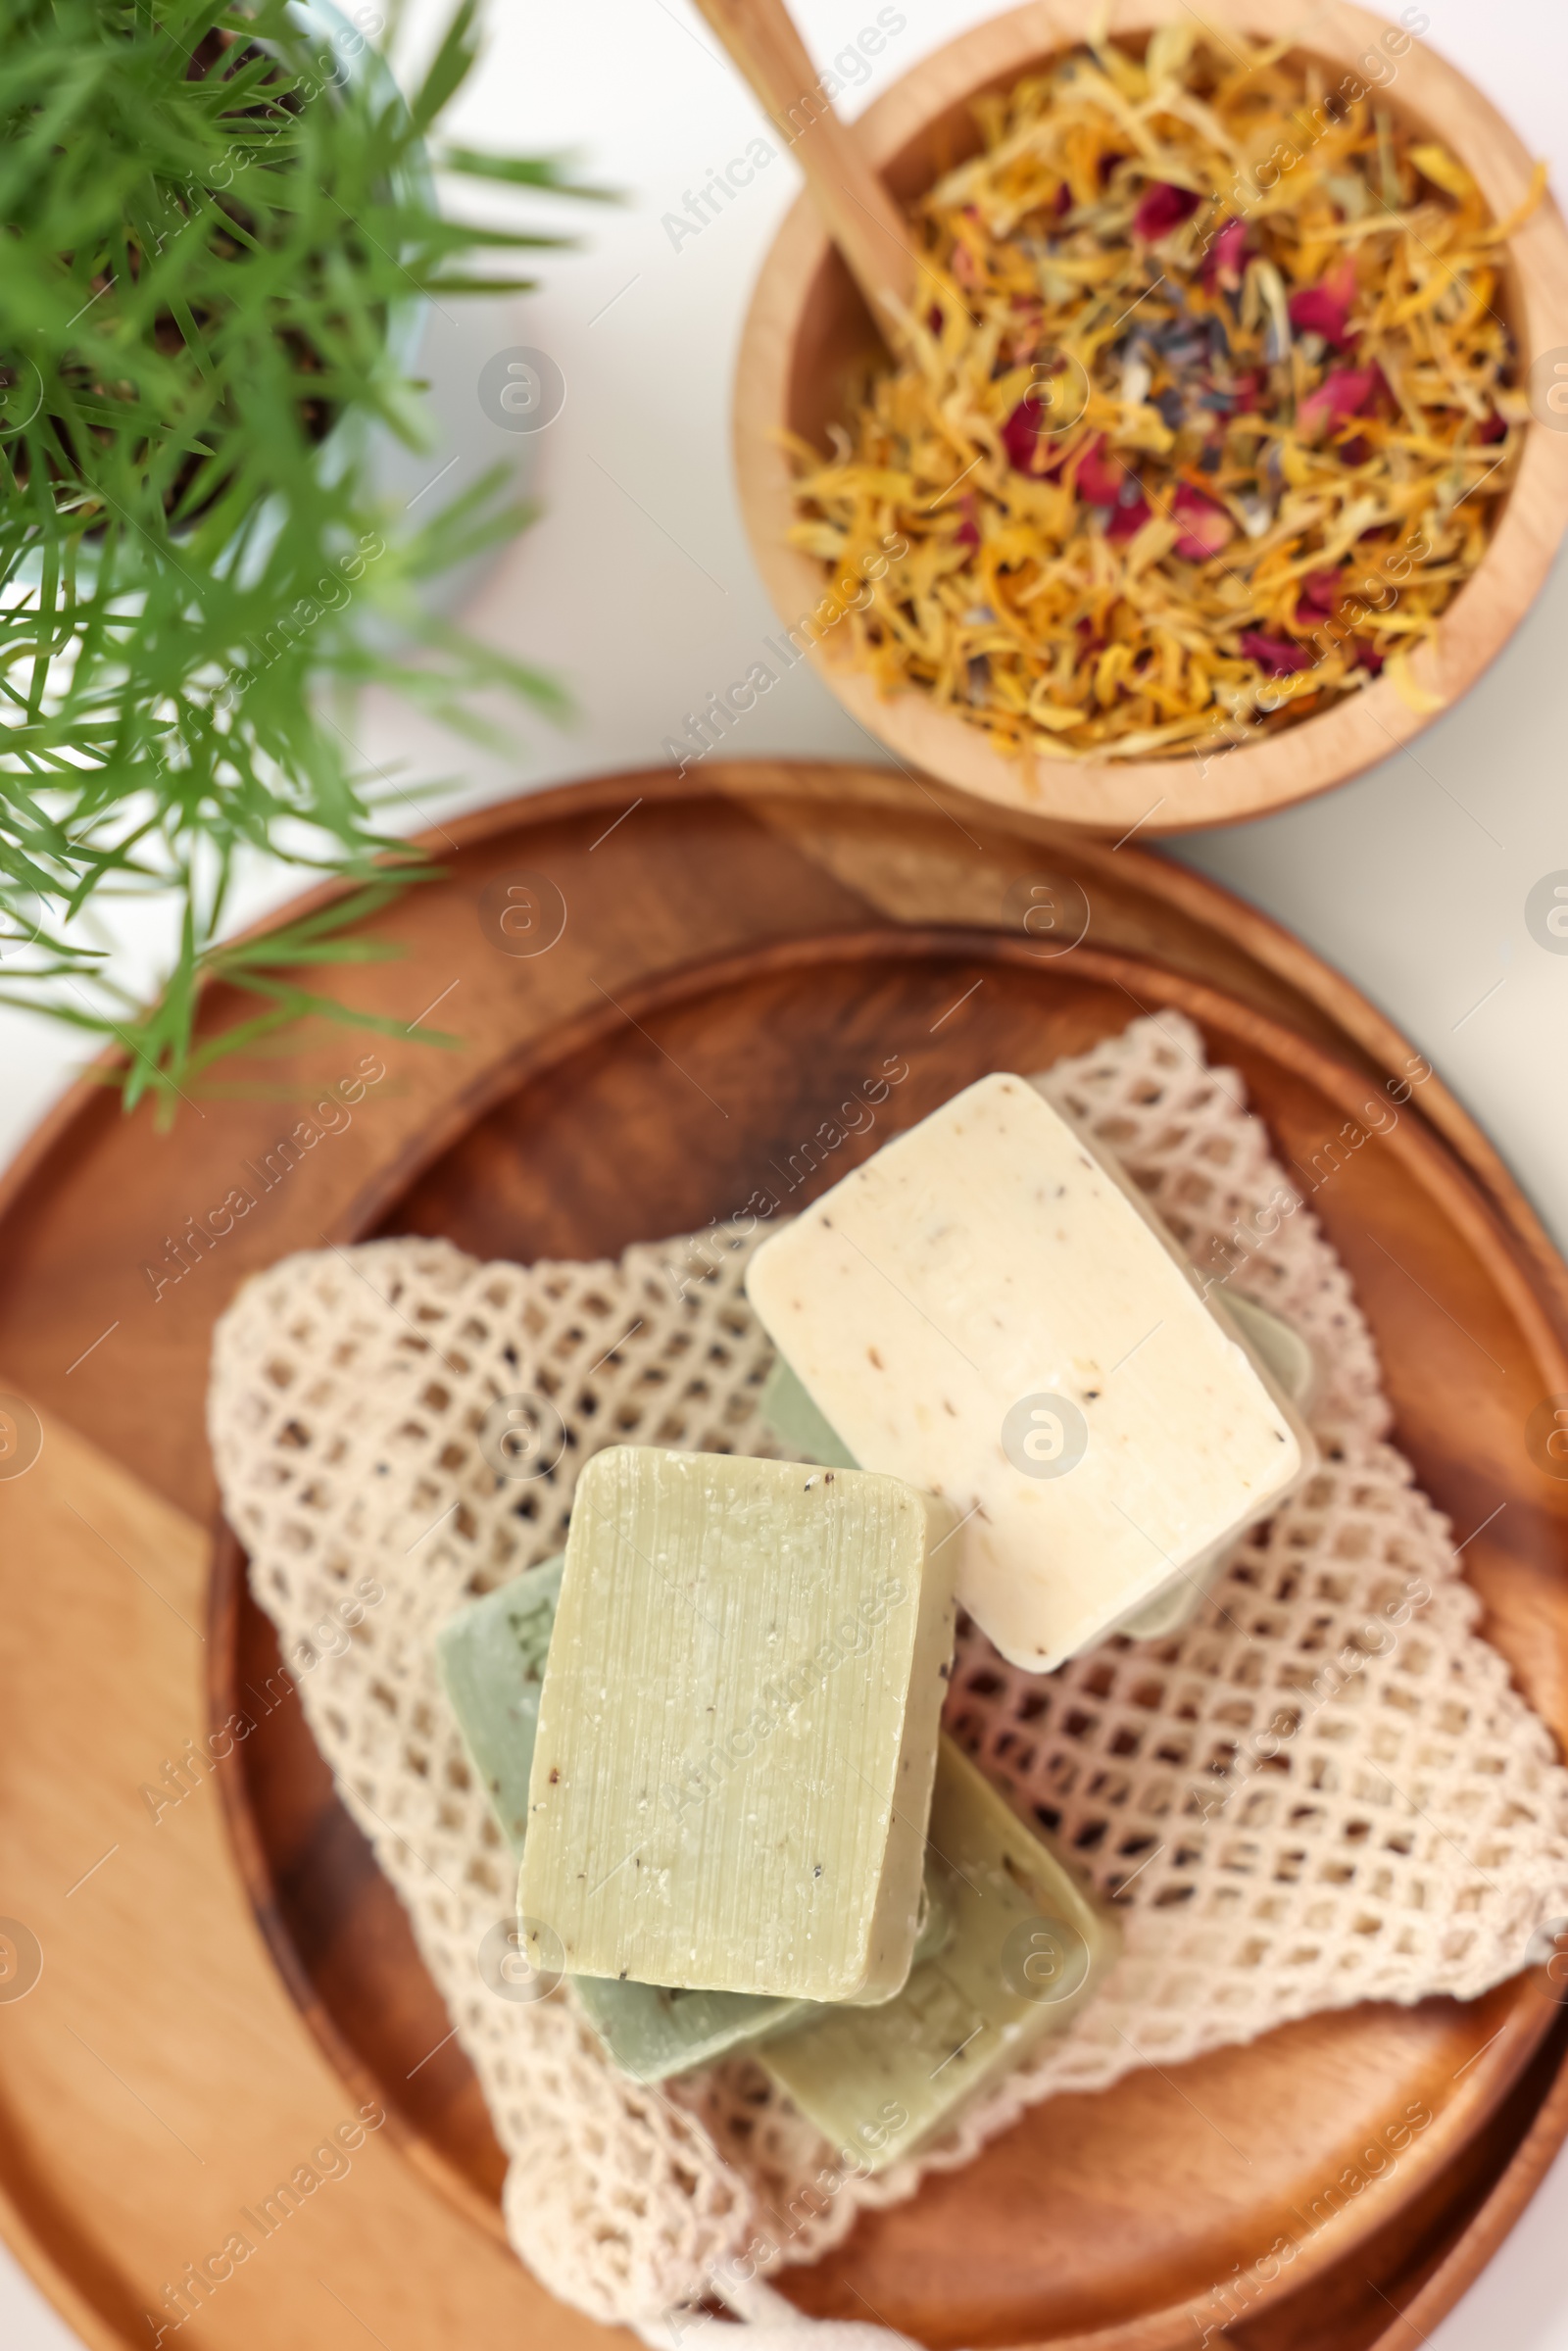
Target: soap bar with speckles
x: 492, y: 1658
x: 1024, y: 1949
x: 1284, y: 1353
x: 1292, y: 1365
x: 737, y: 1732
x: 980, y: 1308
x: 653, y: 2033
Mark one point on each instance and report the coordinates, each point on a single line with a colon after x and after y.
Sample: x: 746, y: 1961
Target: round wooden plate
x: 733, y: 947
x: 1110, y: 2212
x: 808, y: 332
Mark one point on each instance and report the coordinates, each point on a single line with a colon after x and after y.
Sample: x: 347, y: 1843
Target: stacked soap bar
x: 737, y: 1730
x: 981, y: 1310
x: 654, y: 2031
x: 1287, y: 1359
x: 1285, y: 1356
x: 492, y: 1659
x: 1281, y: 1353
x: 1024, y: 1948
x: 798, y: 1423
x: 874, y: 2078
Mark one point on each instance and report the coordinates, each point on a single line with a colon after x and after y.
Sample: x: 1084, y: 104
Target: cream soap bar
x: 1025, y: 1949
x: 737, y: 1731
x: 1285, y: 1354
x: 1291, y: 1363
x: 979, y: 1308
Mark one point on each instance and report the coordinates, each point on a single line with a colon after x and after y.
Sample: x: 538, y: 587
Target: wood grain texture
x: 1117, y: 2210
x: 808, y: 333
x: 159, y: 2083
x: 766, y: 925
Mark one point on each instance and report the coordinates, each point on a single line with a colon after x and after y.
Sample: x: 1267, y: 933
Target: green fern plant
x: 215, y: 218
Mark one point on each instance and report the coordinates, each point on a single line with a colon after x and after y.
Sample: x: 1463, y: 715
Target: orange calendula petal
x: 1162, y: 468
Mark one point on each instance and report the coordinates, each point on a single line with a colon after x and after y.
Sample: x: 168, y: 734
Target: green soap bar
x: 492, y: 1660
x: 1278, y: 1343
x: 652, y: 2032
x: 738, y: 1726
x: 1026, y: 1949
x: 797, y: 1422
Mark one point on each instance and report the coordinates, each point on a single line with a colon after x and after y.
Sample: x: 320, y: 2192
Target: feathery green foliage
x: 215, y: 221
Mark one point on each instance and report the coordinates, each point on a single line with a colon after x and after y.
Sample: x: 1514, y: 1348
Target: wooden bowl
x: 227, y: 1979
x: 808, y: 331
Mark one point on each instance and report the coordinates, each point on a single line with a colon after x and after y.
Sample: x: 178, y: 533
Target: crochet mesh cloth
x: 1322, y: 1790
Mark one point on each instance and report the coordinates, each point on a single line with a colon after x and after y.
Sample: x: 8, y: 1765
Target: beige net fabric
x: 1323, y: 1790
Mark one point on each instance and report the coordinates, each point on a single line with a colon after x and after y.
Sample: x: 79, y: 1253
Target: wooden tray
x: 732, y: 944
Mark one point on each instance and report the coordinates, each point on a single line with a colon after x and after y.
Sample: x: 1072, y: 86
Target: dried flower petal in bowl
x: 1189, y: 439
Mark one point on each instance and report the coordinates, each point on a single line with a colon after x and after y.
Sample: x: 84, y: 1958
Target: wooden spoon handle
x: 862, y: 217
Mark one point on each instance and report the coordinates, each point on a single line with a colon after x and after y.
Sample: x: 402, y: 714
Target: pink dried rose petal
x: 1020, y: 435
x: 1325, y: 309
x: 1319, y: 600
x: 1343, y: 392
x: 1206, y: 527
x: 1224, y: 261
x: 1101, y: 478
x: 1279, y: 656
x: 1163, y: 207
x: 1126, y: 521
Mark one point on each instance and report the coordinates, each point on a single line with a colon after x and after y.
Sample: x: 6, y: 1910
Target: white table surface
x: 637, y: 589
